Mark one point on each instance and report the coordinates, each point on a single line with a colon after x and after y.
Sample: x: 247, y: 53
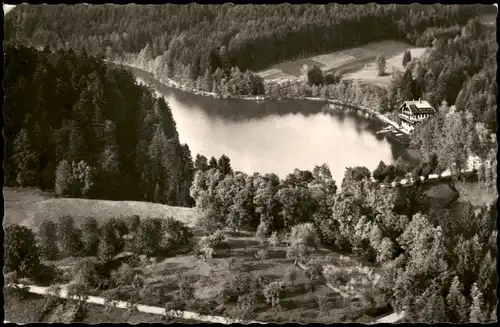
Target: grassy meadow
x: 354, y: 63
x: 30, y: 207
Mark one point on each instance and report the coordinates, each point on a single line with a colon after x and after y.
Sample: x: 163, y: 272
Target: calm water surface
x: 275, y: 136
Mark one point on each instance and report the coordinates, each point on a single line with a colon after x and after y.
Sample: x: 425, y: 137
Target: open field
x: 369, y: 73
x: 352, y: 62
x: 30, y: 207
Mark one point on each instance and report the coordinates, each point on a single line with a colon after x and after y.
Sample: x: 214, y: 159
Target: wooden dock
x: 399, y: 133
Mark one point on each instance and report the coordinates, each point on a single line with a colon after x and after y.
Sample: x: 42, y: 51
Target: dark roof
x: 422, y: 110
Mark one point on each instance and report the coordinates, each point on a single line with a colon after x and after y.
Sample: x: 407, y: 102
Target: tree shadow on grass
x: 242, y: 243
x: 378, y: 311
x: 238, y: 234
x: 276, y: 254
x: 304, y: 304
x: 257, y: 265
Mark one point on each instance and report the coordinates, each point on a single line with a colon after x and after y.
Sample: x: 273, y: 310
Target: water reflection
x: 276, y: 136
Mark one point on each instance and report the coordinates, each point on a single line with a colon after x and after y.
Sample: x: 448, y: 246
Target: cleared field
x: 31, y: 207
x: 330, y: 61
x: 352, y: 62
x: 275, y: 75
x: 368, y: 72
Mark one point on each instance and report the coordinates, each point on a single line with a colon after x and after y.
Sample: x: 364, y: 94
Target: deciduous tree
x: 47, y: 236
x: 381, y: 65
x: 21, y: 253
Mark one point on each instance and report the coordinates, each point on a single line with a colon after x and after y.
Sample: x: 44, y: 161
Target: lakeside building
x: 412, y: 113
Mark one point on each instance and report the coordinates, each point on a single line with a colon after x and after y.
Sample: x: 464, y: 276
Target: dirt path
x: 390, y: 319
x: 146, y: 308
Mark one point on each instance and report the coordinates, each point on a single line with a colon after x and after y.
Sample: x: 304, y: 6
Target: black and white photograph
x: 249, y: 163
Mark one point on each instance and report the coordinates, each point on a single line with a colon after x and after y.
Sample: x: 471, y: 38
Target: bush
x: 321, y: 300
x: 261, y: 254
x: 245, y: 306
x: 47, y: 236
x: 53, y: 298
x: 314, y: 270
x: 379, y: 173
x: 272, y: 292
x: 11, y: 278
x: 186, y: 289
x: 335, y: 276
x: 291, y: 275
x: 110, y: 299
x: 17, y: 291
x: 90, y: 237
x: 176, y: 233
x: 238, y: 285
x: 69, y: 237
x: 21, y: 253
x: 92, y: 274
x: 120, y: 225
x: 123, y: 276
x: 208, y: 246
x: 149, y: 237
x: 77, y: 291
x: 133, y: 223
x: 48, y: 274
x: 263, y: 231
x: 111, y: 240
x: 274, y: 239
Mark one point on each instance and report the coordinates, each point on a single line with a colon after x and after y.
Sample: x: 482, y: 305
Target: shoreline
x: 176, y: 85
x: 173, y: 84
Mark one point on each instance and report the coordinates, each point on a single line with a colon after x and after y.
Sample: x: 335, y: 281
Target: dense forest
x: 75, y: 125
x: 200, y: 42
x: 462, y: 72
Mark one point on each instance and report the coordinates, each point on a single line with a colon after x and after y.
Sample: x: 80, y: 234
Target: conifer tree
x: 477, y: 314
x: 458, y: 308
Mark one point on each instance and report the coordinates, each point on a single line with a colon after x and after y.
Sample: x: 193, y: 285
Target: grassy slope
x: 30, y: 207
x: 29, y: 310
x: 476, y: 194
x: 351, y: 62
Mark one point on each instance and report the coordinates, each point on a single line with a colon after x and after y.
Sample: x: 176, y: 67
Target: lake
x: 276, y: 136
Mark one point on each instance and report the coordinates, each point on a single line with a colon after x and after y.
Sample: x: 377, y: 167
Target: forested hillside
x: 198, y: 37
x: 75, y: 125
x: 461, y: 71
x: 423, y: 250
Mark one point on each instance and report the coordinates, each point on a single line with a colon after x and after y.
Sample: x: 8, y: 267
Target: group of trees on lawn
x: 74, y: 125
x: 58, y: 240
